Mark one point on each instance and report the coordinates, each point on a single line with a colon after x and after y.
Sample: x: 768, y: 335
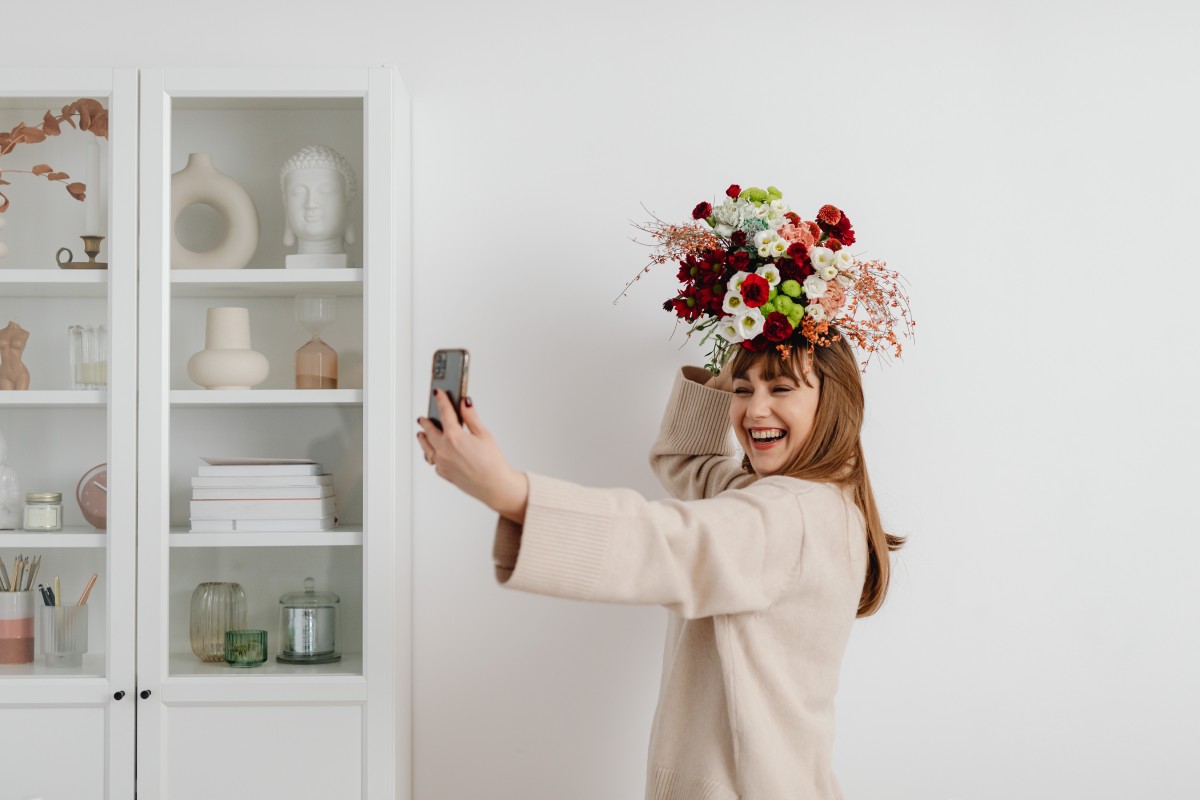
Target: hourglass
x: 316, y: 362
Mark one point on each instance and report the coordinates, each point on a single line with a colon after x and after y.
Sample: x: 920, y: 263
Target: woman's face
x: 772, y: 419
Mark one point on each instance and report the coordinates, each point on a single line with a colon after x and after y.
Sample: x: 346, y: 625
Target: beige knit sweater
x: 762, y: 579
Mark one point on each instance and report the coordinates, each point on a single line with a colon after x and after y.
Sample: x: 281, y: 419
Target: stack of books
x: 261, y: 494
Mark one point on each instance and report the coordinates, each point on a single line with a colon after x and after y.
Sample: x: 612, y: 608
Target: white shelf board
x: 343, y: 537
x: 266, y: 282
x: 93, y: 667
x: 52, y: 282
x: 39, y: 398
x: 86, y: 536
x: 206, y: 398
x: 186, y: 665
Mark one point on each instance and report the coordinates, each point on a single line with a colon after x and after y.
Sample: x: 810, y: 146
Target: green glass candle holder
x: 245, y: 648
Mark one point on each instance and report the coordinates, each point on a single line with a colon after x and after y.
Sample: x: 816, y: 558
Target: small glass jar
x: 43, y: 511
x: 245, y: 648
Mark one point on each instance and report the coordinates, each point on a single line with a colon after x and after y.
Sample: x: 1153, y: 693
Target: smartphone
x: 449, y: 375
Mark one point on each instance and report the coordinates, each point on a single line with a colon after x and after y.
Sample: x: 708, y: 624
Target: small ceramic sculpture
x: 318, y: 185
x: 13, y: 374
x: 201, y: 182
x: 11, y: 502
x: 227, y: 362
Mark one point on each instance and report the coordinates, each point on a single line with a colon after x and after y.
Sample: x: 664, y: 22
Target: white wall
x: 1030, y: 166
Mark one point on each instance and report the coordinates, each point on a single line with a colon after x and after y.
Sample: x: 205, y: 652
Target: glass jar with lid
x: 43, y: 511
x: 308, y: 624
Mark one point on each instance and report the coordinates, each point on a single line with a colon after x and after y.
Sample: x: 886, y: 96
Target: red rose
x: 798, y: 252
x: 792, y: 271
x: 777, y: 328
x: 830, y: 215
x: 733, y: 191
x: 738, y: 261
x: 702, y: 211
x: 738, y: 238
x: 757, y: 344
x: 844, y: 231
x: 755, y: 290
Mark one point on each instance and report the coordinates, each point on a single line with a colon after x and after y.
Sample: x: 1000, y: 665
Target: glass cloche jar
x: 308, y: 622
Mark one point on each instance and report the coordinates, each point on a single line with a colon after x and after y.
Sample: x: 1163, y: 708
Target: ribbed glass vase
x: 216, y: 607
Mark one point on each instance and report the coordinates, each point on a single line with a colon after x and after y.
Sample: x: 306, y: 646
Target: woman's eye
x: 782, y: 389
x: 741, y: 391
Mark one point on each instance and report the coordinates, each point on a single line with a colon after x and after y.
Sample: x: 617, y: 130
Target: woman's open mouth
x: 766, y: 438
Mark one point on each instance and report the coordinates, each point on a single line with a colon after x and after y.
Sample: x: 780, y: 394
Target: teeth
x: 764, y: 436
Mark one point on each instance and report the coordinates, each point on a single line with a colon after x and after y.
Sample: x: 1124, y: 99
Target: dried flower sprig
x: 92, y: 117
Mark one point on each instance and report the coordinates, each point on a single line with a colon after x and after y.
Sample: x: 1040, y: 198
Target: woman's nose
x: 760, y: 406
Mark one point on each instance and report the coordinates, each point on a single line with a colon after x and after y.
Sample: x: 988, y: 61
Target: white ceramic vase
x: 227, y: 362
x: 201, y: 182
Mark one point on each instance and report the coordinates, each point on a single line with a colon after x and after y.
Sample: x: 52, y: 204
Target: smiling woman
x: 763, y: 564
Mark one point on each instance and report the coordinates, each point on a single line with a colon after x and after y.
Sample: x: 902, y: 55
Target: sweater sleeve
x: 726, y: 555
x: 693, y: 457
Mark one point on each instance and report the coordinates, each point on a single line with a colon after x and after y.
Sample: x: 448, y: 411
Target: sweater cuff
x: 562, y: 547
x: 696, y: 421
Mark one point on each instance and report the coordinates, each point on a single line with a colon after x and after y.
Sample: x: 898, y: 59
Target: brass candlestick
x: 91, y: 246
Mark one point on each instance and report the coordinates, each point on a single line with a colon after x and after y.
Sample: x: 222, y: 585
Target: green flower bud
x: 791, y: 288
x: 754, y: 195
x: 774, y: 193
x: 796, y: 315
x: 691, y: 302
x: 768, y: 308
x: 784, y: 304
x: 693, y: 272
x: 774, y: 293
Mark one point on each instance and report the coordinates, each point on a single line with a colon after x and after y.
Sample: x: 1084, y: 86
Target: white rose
x: 726, y: 218
x: 735, y: 283
x: 814, y: 287
x: 779, y: 208
x: 769, y: 273
x: 843, y: 260
x: 816, y: 311
x: 845, y: 280
x: 733, y: 303
x: 822, y: 257
x: 827, y: 272
x: 727, y: 329
x: 750, y: 323
x: 762, y: 211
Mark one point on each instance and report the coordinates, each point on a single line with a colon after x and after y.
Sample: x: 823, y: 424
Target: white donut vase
x: 201, y: 182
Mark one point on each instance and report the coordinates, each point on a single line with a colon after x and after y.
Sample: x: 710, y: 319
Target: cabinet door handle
x: 118, y: 695
x: 144, y: 694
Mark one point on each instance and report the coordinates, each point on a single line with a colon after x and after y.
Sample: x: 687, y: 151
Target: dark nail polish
x: 467, y: 402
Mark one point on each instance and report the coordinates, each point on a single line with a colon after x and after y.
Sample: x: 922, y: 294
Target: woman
x: 765, y: 564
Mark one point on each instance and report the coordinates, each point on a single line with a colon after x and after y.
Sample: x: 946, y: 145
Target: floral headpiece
x: 753, y: 274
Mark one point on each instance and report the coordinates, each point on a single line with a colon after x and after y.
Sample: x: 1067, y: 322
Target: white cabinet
x: 337, y: 729
x: 55, y: 434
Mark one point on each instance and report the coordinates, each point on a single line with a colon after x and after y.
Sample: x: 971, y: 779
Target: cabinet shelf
x: 93, y: 667
x: 186, y: 665
x: 344, y: 537
x: 67, y: 537
x: 207, y: 398
x: 266, y: 282
x: 53, y: 282
x: 40, y: 398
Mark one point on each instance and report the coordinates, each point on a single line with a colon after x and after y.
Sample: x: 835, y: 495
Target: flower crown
x: 754, y: 274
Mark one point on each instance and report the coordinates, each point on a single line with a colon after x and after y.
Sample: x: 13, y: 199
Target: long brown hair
x: 833, y: 451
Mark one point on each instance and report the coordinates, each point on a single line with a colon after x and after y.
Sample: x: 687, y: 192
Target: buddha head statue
x: 318, y: 185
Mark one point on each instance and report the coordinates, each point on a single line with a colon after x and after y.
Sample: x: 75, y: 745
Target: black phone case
x: 449, y: 375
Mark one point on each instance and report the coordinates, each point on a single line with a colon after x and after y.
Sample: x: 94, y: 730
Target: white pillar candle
x: 91, y: 205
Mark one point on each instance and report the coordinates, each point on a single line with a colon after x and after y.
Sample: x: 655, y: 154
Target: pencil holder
x: 63, y: 638
x: 16, y: 627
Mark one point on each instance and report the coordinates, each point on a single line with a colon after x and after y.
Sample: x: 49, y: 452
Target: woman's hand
x: 466, y: 455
